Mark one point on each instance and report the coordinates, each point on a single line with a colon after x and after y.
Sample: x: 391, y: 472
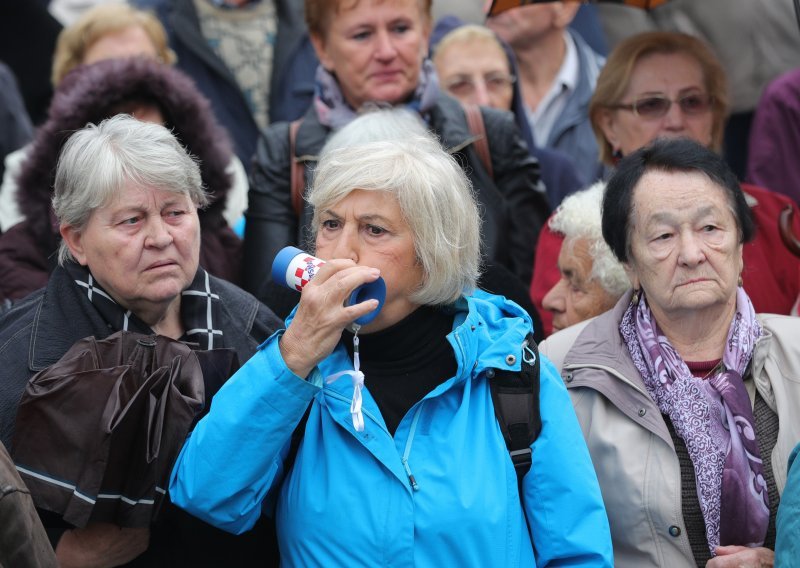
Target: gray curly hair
x: 580, y: 216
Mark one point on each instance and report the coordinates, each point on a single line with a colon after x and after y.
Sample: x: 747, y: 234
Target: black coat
x: 37, y: 332
x: 512, y: 208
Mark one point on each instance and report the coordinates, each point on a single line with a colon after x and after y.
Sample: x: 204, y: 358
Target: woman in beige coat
x: 689, y: 401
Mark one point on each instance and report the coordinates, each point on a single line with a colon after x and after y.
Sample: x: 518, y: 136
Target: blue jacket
x: 787, y: 543
x: 348, y: 499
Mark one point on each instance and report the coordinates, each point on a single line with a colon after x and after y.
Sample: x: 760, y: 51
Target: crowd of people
x: 584, y: 349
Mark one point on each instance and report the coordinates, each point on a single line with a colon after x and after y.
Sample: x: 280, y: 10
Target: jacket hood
x: 490, y: 331
x: 91, y: 93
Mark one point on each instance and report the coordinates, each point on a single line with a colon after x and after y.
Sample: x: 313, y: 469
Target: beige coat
x: 630, y: 445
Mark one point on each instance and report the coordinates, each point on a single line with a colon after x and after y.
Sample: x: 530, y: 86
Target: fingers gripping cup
x: 294, y: 269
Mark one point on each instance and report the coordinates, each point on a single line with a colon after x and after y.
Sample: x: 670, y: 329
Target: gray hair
x: 391, y: 151
x: 99, y: 161
x: 579, y: 216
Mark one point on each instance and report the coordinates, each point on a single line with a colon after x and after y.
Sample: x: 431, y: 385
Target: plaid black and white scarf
x: 199, y: 308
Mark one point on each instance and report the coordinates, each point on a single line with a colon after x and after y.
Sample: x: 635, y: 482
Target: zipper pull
x: 411, y: 478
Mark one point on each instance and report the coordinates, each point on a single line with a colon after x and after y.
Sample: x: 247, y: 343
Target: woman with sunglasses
x: 670, y: 85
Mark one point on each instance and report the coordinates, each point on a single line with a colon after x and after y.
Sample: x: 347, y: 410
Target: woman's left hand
x: 742, y: 557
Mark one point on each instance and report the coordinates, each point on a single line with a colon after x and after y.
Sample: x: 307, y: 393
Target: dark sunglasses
x: 656, y: 106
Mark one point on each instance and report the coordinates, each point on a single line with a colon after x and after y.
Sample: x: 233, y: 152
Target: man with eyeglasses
x: 557, y: 73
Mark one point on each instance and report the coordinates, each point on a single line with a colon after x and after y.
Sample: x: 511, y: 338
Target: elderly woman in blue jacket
x: 401, y: 460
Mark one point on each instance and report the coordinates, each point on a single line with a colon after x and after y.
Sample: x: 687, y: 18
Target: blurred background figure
x: 670, y: 85
x: 768, y: 29
x: 69, y: 11
x: 16, y: 129
x: 475, y: 67
x: 104, y: 32
x: 251, y: 58
x: 592, y: 279
x: 586, y: 21
x: 557, y: 72
x: 472, y: 65
x: 387, y: 65
x: 110, y: 31
x: 152, y: 92
x: 28, y: 34
x: 775, y: 137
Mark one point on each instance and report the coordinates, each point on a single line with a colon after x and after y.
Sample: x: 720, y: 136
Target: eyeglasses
x: 463, y: 85
x: 656, y: 106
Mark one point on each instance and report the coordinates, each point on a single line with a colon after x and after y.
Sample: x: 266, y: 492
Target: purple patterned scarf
x: 334, y: 112
x: 714, y: 418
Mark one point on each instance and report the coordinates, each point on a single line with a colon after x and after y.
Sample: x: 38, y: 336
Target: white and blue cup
x: 294, y: 268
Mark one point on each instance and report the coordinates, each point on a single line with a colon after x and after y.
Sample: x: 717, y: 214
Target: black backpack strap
x: 516, y: 405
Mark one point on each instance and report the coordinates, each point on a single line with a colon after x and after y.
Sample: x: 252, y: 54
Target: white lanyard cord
x: 358, y: 384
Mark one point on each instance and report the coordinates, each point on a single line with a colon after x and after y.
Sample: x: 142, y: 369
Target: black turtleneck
x: 403, y: 363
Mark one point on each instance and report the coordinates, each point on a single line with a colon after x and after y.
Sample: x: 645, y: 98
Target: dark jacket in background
x: 513, y: 210
x: 92, y: 93
x: 37, y: 332
x: 28, y: 35
x: 15, y: 126
x: 293, y: 66
x: 775, y: 137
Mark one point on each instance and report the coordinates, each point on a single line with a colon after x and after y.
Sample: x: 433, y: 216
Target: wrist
x: 293, y: 355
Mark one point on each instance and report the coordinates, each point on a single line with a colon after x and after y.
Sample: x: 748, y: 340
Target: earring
x: 741, y: 282
x: 635, y: 297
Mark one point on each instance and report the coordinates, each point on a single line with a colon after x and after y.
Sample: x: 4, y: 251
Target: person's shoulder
x: 785, y: 87
x: 596, y: 340
x: 766, y: 199
x: 558, y: 345
x: 233, y: 297
x: 452, y: 114
x: 18, y: 317
x: 244, y: 308
x: 780, y: 325
x: 310, y: 133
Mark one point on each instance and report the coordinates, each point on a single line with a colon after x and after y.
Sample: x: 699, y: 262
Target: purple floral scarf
x: 334, y: 112
x: 714, y: 418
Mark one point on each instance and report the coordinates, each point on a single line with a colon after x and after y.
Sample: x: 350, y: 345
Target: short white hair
x: 580, y: 216
x: 99, y: 161
x: 391, y: 151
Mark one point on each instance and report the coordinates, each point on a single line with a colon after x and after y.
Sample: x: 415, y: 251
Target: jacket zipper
x: 409, y: 442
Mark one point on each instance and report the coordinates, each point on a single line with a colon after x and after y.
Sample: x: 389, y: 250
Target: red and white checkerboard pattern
x: 303, y: 267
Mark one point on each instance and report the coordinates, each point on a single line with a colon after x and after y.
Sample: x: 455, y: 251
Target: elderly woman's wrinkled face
x: 673, y: 76
x: 476, y: 73
x: 684, y: 244
x: 128, y: 42
x: 375, y: 48
x: 143, y: 247
x: 369, y: 228
x: 576, y: 296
